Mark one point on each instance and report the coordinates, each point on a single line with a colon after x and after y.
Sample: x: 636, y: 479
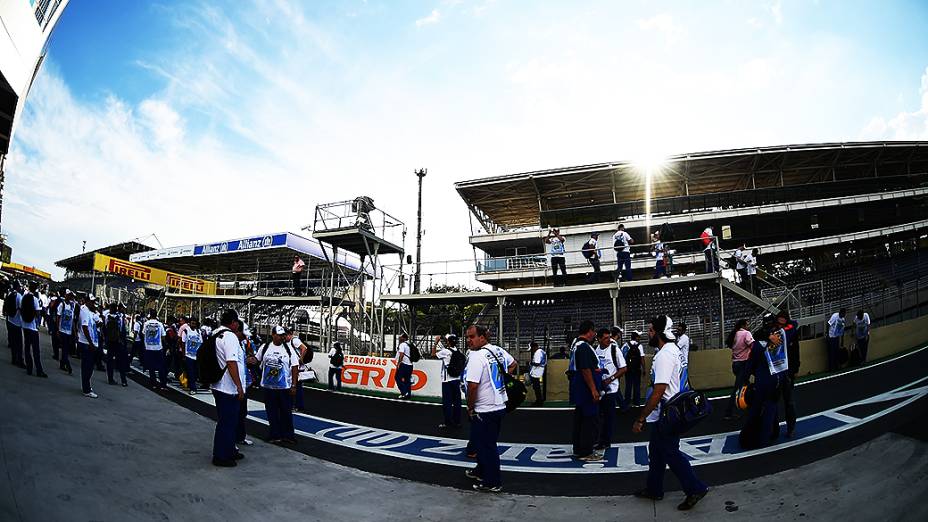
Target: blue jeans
x: 279, y: 405
x: 31, y: 350
x: 404, y: 379
x: 607, y: 418
x: 624, y: 266
x: 485, y: 431
x: 451, y: 402
x: 192, y: 375
x: 664, y: 451
x: 632, y: 389
x: 87, y: 353
x: 226, y: 420
x: 154, y: 362
x: 335, y: 376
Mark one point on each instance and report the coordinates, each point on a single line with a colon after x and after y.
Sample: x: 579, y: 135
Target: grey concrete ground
x: 133, y: 455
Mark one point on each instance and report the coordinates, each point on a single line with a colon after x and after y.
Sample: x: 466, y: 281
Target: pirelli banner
x: 102, y: 263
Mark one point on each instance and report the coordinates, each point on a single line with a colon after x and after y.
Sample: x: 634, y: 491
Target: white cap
x: 280, y: 330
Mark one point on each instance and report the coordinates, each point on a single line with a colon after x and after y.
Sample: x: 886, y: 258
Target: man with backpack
x: 221, y: 364
x: 537, y: 372
x: 621, y: 242
x: 336, y: 361
x: 153, y: 333
x: 593, y: 256
x: 612, y: 366
x: 452, y: 366
x: 116, y: 354
x: 486, y: 405
x: 404, y: 367
x: 30, y: 313
x: 14, y: 330
x: 279, y: 365
x: 634, y: 354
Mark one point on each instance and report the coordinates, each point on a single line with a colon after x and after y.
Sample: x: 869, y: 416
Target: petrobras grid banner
x: 379, y: 374
x: 240, y: 245
x: 103, y: 263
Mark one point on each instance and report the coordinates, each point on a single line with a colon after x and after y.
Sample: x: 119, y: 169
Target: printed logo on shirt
x: 152, y: 335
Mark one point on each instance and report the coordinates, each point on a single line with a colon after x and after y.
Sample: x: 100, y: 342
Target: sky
x: 206, y: 121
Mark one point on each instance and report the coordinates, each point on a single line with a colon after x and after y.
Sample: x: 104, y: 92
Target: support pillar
x: 500, y: 302
x: 721, y: 315
x: 614, y: 295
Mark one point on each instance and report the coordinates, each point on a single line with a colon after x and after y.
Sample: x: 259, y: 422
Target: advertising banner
x: 379, y: 374
x: 18, y: 267
x: 102, y: 263
x: 238, y: 245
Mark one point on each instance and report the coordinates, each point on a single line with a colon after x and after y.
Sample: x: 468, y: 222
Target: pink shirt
x: 742, y: 348
x: 298, y: 266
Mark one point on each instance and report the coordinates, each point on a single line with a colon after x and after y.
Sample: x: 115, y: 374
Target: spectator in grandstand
x: 537, y: 371
x: 14, y: 330
x: 612, y: 367
x: 593, y: 256
x: 668, y: 376
x: 750, y: 266
x: 192, y: 339
x: 768, y: 363
x: 791, y: 331
x: 561, y: 353
x: 683, y: 343
x: 66, y: 315
x: 404, y: 367
x: 153, y: 333
x: 622, y: 242
x: 486, y: 404
x: 298, y: 267
x: 585, y: 386
x: 116, y: 354
x: 279, y: 378
x: 88, y: 343
x: 862, y: 333
x: 556, y: 249
x: 30, y: 313
x: 336, y: 362
x: 452, y: 365
x: 634, y: 355
x: 306, y: 355
x: 229, y: 391
x: 740, y: 342
x: 710, y: 250
x: 835, y: 335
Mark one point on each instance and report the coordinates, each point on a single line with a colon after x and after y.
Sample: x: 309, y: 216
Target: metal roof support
x: 500, y: 301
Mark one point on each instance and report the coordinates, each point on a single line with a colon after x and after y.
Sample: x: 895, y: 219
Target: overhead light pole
x: 416, y: 287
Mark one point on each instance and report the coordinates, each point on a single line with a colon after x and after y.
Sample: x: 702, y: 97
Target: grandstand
x: 837, y: 224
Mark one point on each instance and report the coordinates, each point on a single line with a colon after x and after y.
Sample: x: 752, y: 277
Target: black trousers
x: 559, y: 262
x: 594, y: 277
x: 586, y: 430
x: 539, y: 392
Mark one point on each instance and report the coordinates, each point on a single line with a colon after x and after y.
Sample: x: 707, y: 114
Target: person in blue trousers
x: 88, y: 342
x: 279, y: 365
x: 153, y: 332
x: 450, y: 384
x: 229, y: 392
x: 769, y: 365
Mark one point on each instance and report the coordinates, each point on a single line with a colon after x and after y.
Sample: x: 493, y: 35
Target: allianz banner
x: 102, y: 263
x: 379, y: 374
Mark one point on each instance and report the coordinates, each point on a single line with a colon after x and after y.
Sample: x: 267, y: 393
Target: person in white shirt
x: 621, y: 242
x: 836, y: 325
x: 450, y: 380
x: 537, y: 372
x: 668, y: 377
x: 862, y: 334
x: 229, y: 391
x: 279, y: 377
x: 486, y: 404
x: 88, y: 343
x: 192, y: 339
x: 750, y: 267
x: 660, y: 250
x: 593, y: 256
x: 612, y: 367
x: 66, y: 317
x: 152, y: 334
x: 14, y: 324
x: 710, y: 250
x: 336, y: 364
x: 404, y: 367
x: 634, y: 357
x: 306, y: 355
x: 740, y: 267
x: 557, y: 249
x: 683, y: 343
x: 114, y: 338
x: 32, y: 305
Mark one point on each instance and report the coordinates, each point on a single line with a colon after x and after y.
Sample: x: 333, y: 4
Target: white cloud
x: 776, y: 10
x: 432, y: 18
x: 904, y: 125
x: 664, y: 25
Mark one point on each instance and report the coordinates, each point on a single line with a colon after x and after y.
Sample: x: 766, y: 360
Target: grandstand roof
x: 84, y: 262
x: 265, y: 253
x: 516, y: 200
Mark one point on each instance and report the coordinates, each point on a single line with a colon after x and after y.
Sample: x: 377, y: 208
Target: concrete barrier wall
x: 711, y: 369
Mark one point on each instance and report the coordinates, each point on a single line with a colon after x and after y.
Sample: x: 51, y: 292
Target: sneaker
x: 592, y: 457
x: 238, y: 455
x: 443, y: 426
x: 472, y: 474
x: 92, y: 395
x: 487, y: 489
x: 472, y: 455
x: 224, y: 463
x: 275, y: 441
x: 288, y: 442
x: 42, y: 375
x: 691, y: 500
x: 125, y: 384
x: 644, y: 493
x: 246, y: 442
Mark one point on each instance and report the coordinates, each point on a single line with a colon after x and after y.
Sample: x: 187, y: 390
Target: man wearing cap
x: 88, y: 342
x: 537, y: 372
x: 336, y: 362
x: 668, y: 377
x: 279, y: 377
x: 450, y: 384
x: 593, y: 256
